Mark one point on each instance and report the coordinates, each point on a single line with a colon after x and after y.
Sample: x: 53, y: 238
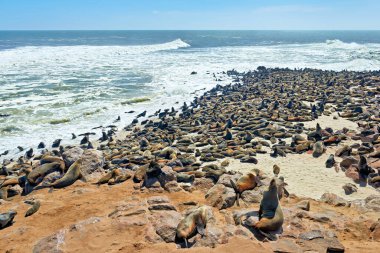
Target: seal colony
x: 261, y: 113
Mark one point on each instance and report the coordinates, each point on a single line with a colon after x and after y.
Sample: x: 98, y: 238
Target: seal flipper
x: 286, y: 192
x: 201, y: 226
x: 236, y: 190
x: 185, y: 239
x: 268, y: 235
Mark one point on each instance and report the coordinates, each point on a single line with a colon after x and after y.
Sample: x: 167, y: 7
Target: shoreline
x: 190, y: 155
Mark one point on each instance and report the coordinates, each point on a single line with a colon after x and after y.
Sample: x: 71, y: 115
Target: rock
x: 225, y: 179
x: 214, y: 236
x: 162, y: 207
x: 50, y: 244
x: 252, y: 196
x: 310, y: 235
x: 352, y: 173
x: 375, y: 231
x: 221, y: 197
x: 172, y: 187
x: 203, y: 184
x: 349, y: 188
x: 92, y: 162
x: 285, y: 245
x: 333, y: 199
x: 321, y: 245
x: 71, y: 155
x: 347, y: 162
x: 158, y: 200
x: 373, y: 202
x: 304, y: 205
x: 165, y: 224
x: 151, y: 235
x: 14, y: 190
x: 167, y: 175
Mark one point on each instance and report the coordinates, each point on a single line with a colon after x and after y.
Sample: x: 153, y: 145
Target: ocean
x: 54, y: 83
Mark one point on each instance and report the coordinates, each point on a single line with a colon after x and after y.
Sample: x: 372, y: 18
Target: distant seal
x: 72, y: 174
x: 194, y: 221
x: 244, y: 183
x: 6, y: 219
x: 318, y: 149
x: 330, y: 161
x: 35, y: 207
x: 276, y: 170
x: 271, y: 216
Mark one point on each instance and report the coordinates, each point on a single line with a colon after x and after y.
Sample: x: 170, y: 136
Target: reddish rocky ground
x: 87, y: 218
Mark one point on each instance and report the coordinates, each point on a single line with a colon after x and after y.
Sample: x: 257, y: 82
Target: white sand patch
x: 308, y: 176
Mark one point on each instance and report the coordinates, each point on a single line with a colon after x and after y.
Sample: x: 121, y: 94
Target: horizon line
x: 332, y: 30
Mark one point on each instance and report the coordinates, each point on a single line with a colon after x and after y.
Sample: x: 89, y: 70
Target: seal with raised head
x: 271, y: 216
x: 72, y: 174
x: 194, y: 221
x: 244, y: 183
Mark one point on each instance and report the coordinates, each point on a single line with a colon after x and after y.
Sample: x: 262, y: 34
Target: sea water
x: 54, y: 83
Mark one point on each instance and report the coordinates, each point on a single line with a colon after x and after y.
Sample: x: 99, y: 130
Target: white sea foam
x: 87, y: 85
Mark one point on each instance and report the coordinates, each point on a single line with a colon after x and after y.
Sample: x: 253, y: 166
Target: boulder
x: 304, y: 205
x: 92, y: 164
x: 165, y: 224
x: 50, y: 244
x: 221, y: 197
x: 71, y: 155
x: 203, y: 184
x: 352, y: 173
x: 349, y: 188
x: 333, y: 199
x: 252, y: 196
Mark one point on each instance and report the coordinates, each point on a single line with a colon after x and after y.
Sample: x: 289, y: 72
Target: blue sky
x: 189, y: 14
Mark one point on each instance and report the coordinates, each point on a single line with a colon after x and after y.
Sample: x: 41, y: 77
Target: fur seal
x: 271, y: 216
x: 194, y: 221
x: 52, y: 159
x: 41, y: 171
x: 318, y: 149
x: 72, y: 174
x: 276, y: 170
x: 6, y: 219
x: 244, y: 183
x: 330, y: 161
x: 35, y: 206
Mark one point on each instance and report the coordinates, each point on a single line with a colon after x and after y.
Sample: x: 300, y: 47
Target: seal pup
x: 35, y: 207
x: 271, y: 216
x: 194, y: 221
x: 244, y: 183
x: 330, y: 161
x: 276, y: 170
